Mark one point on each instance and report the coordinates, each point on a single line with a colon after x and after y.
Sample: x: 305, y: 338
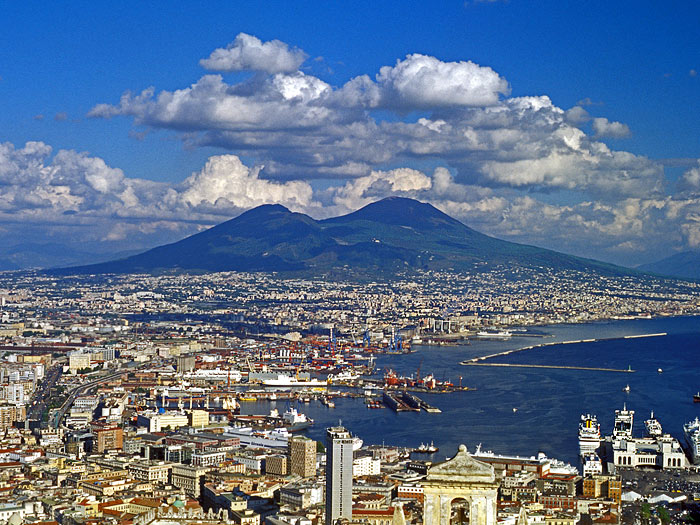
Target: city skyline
x: 565, y: 126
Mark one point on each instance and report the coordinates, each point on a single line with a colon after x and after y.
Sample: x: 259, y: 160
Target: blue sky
x: 313, y: 123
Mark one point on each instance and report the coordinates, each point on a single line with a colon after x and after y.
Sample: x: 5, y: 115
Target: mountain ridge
x: 390, y: 235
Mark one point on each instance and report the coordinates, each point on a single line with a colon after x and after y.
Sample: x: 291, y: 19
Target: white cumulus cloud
x: 249, y: 53
x: 605, y: 128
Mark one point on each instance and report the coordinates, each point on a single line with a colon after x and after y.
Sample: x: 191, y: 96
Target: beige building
x: 187, y: 477
x: 198, y: 418
x: 151, y: 471
x: 245, y: 517
x: 302, y: 456
x: 276, y: 465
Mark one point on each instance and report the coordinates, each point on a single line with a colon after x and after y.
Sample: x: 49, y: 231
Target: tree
x: 664, y: 516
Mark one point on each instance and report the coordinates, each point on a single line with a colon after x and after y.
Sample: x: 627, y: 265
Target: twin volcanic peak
x: 391, y: 235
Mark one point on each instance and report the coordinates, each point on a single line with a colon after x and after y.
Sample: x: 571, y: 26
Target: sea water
x: 548, y: 403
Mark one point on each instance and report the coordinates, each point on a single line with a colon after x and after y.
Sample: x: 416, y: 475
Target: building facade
x: 339, y: 456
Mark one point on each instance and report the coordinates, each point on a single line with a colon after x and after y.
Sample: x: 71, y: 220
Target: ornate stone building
x: 460, y: 491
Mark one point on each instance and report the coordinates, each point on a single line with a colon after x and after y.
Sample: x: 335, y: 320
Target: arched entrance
x: 459, y: 512
x: 460, y: 491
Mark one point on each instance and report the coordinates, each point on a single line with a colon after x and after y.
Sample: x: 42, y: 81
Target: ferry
x: 501, y: 334
x: 275, y: 438
x: 691, y: 430
x: 426, y: 449
x: 295, y: 420
x: 588, y: 434
x: 653, y: 427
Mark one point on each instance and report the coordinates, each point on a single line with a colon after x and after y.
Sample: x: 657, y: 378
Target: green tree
x: 664, y: 516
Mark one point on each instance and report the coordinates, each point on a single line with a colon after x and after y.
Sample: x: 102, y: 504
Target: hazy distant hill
x: 685, y: 264
x: 386, y: 236
x: 46, y: 255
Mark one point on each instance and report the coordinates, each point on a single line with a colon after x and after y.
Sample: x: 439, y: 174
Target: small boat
x: 660, y: 370
x: 696, y: 398
x: 626, y: 389
x: 515, y: 409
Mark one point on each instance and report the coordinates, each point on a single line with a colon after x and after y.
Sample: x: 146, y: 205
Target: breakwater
x: 479, y: 360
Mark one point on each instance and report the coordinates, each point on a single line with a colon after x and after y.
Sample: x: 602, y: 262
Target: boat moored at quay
x: 691, y: 430
x: 588, y: 434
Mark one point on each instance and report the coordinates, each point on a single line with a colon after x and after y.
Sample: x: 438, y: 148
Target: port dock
x: 402, y: 401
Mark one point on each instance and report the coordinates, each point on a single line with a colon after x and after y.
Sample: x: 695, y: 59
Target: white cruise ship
x: 692, y: 438
x: 588, y: 434
x: 275, y: 438
x: 285, y: 380
x: 501, y: 334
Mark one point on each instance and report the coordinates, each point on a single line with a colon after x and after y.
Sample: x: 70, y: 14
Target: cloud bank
x: 495, y: 161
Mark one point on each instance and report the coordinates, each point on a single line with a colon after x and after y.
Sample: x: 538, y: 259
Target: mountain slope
x: 684, y: 264
x: 383, y: 237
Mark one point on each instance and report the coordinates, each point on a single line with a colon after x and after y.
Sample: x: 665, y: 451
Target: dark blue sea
x: 549, y: 402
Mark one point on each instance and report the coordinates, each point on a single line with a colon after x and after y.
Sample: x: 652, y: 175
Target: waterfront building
x: 339, y: 456
x: 659, y: 451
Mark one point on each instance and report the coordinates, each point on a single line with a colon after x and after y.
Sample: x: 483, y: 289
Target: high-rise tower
x: 338, y: 474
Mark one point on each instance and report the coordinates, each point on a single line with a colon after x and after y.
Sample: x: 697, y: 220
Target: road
x: 43, y: 392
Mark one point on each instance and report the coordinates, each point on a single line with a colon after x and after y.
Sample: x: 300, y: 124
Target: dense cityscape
x: 350, y: 263
x: 122, y: 400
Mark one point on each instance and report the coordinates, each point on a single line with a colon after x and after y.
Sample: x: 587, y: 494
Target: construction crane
x: 331, y: 342
x: 249, y: 363
x: 366, y: 339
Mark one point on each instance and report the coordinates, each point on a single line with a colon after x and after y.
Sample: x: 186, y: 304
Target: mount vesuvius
x: 392, y: 235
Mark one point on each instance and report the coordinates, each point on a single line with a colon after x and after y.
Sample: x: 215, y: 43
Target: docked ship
x: 295, y: 420
x: 426, y: 449
x: 653, y: 427
x: 285, y: 380
x: 501, y: 334
x: 691, y: 430
x: 588, y: 434
x: 275, y: 438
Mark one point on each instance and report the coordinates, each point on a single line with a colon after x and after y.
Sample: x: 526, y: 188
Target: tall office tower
x: 338, y: 474
x: 302, y: 456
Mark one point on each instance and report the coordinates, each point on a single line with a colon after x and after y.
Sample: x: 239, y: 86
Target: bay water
x: 523, y: 411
